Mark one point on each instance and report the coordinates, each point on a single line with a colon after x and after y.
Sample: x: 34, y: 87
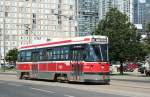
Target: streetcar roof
x: 68, y: 41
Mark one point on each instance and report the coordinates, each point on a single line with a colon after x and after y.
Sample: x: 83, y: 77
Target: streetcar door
x: 35, y: 58
x: 76, y: 58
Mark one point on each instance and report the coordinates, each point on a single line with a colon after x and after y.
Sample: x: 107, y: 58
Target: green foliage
x: 146, y: 48
x: 124, y: 41
x: 11, y: 56
x: 148, y: 27
x: 148, y: 33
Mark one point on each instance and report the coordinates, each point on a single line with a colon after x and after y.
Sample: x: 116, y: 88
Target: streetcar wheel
x: 24, y: 76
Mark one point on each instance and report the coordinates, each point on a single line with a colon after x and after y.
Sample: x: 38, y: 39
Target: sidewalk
x: 8, y: 72
x: 131, y: 76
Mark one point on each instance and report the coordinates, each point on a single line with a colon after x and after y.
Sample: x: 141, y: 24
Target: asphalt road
x: 10, y: 86
x: 12, y: 89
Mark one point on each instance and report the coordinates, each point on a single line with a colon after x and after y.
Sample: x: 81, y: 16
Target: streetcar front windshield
x: 100, y: 52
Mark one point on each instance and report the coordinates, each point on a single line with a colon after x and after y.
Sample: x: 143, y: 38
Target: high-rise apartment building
x: 28, y: 21
x: 139, y: 13
x: 125, y: 6
x: 90, y: 12
x: 88, y: 17
x: 142, y: 13
x: 147, y: 12
x: 104, y: 6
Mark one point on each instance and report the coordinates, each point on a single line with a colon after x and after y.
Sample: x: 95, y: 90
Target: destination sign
x: 100, y: 40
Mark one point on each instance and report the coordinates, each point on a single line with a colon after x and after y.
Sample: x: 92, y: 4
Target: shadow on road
x: 72, y: 82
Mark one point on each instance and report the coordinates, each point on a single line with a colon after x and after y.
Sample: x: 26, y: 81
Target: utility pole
x: 76, y: 16
x: 70, y: 26
x: 4, y: 43
x: 0, y: 46
x: 4, y: 16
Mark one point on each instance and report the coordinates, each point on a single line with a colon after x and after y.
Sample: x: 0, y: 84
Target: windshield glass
x: 101, y: 51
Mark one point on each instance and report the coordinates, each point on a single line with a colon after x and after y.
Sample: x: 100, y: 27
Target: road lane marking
x: 12, y: 84
x: 43, y: 90
x: 69, y: 96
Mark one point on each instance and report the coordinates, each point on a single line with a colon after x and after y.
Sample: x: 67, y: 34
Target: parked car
x: 141, y: 68
x: 8, y: 65
x: 132, y: 66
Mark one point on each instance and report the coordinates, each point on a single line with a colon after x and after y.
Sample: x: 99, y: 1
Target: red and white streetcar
x: 80, y: 59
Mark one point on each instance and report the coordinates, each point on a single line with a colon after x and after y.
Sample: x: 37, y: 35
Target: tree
x: 148, y: 33
x: 124, y: 40
x: 147, y: 40
x: 11, y: 56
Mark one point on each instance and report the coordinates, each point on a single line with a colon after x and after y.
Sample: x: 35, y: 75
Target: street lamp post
x: 69, y: 22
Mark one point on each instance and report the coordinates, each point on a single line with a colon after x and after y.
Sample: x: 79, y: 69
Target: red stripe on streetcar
x: 86, y: 67
x: 87, y: 39
x: 23, y: 67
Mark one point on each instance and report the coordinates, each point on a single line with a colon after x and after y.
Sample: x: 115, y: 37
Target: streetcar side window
x: 35, y: 56
x: 25, y: 56
x: 77, y: 52
x: 43, y: 55
x: 56, y: 53
x: 28, y: 56
x: 19, y: 57
x: 64, y: 53
x: 49, y: 54
x: 89, y: 57
x: 22, y: 56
